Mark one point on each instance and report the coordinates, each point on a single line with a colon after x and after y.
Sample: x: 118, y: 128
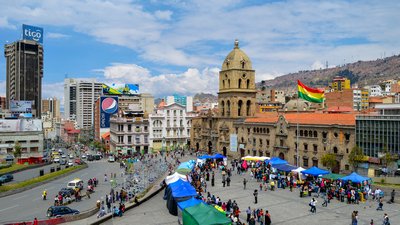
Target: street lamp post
x: 163, y: 145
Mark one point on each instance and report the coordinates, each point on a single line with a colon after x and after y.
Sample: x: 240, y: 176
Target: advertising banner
x: 18, y: 125
x: 131, y: 89
x: 30, y: 125
x: 32, y: 33
x: 108, y: 107
x: 21, y: 106
x: 233, y: 142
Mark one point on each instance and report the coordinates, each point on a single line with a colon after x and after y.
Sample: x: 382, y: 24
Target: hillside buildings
x: 24, y: 73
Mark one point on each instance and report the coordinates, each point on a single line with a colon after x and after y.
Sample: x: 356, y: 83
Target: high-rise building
x: 24, y: 72
x: 51, y: 106
x: 79, y: 98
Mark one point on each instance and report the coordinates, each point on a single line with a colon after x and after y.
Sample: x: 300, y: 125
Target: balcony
x: 277, y: 147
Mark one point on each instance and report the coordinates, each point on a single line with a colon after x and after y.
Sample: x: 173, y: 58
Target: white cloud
x: 5, y: 24
x: 53, y: 90
x: 279, y: 36
x: 188, y: 83
x: 317, y: 65
x: 163, y: 15
x: 56, y: 35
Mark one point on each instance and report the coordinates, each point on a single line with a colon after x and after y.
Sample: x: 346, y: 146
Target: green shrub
x: 12, y: 167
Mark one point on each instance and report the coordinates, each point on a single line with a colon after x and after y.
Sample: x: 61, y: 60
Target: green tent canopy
x: 183, y: 171
x: 203, y: 214
x: 333, y: 176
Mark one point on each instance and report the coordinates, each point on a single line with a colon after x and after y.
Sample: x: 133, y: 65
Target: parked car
x: 111, y: 158
x: 57, y: 211
x: 397, y: 172
x: 63, y: 156
x: 56, y: 160
x: 6, y: 178
x: 97, y: 157
x: 63, y: 162
x: 78, y: 161
x: 83, y: 156
x: 71, y: 156
x: 70, y: 163
x: 90, y: 157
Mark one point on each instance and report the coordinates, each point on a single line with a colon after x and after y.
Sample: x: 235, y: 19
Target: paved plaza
x: 284, y: 206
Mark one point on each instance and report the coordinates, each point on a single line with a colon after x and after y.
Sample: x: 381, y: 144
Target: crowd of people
x: 270, y: 179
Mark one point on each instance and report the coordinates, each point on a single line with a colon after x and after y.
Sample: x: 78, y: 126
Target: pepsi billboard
x: 32, y: 33
x: 108, y: 107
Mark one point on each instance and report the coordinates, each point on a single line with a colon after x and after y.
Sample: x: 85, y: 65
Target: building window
x: 347, y: 150
x: 129, y: 128
x: 315, y: 134
x: 346, y: 167
x: 315, y: 162
x: 129, y: 139
x: 335, y: 150
x: 315, y: 148
x: 324, y: 134
x: 267, y: 143
x: 305, y: 147
x: 335, y: 135
x: 305, y: 162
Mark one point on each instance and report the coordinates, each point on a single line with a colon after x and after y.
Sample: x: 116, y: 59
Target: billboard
x: 108, y: 107
x: 21, y: 106
x: 32, y: 33
x: 233, y: 142
x: 127, y: 89
x: 17, y: 125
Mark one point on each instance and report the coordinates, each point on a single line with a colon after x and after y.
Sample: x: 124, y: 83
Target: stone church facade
x: 236, y: 101
x: 268, y: 134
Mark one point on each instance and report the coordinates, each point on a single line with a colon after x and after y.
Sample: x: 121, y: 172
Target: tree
x: 356, y: 156
x: 17, y: 150
x: 387, y: 158
x: 329, y: 160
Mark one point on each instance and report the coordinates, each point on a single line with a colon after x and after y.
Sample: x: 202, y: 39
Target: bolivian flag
x: 310, y: 94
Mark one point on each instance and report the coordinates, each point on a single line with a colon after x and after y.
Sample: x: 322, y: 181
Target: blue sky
x: 173, y: 46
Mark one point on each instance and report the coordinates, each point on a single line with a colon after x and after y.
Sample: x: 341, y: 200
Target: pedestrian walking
x: 267, y: 218
x: 255, y: 196
x: 228, y: 181
x: 35, y: 221
x: 380, y: 205
x: 244, y: 183
x: 385, y: 219
x: 392, y: 194
x: 313, y: 204
x: 248, y: 212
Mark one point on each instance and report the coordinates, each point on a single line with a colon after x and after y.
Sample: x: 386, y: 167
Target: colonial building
x: 236, y: 100
x: 275, y: 134
x: 170, y: 127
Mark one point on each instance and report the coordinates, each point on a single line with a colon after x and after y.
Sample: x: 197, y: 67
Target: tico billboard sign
x: 32, y: 33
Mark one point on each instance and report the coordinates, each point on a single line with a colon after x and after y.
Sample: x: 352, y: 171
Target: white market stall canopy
x: 255, y: 158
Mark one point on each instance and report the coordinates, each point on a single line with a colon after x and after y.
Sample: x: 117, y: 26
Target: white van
x: 75, y: 184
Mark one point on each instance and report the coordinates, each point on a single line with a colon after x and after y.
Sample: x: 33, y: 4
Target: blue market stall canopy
x: 355, y: 178
x: 187, y: 165
x: 284, y: 167
x: 315, y: 171
x: 183, y: 189
x: 275, y: 161
x: 205, y: 157
x: 189, y: 203
x: 218, y: 156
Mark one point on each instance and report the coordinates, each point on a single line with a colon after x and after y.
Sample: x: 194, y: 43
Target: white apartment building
x: 170, y: 127
x: 374, y: 90
x: 79, y: 98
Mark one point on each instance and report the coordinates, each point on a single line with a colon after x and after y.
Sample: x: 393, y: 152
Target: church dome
x: 236, y: 59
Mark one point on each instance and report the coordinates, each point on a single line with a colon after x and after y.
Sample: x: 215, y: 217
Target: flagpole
x: 297, y: 133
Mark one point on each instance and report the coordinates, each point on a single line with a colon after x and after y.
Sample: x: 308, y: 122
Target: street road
x: 28, y: 204
x: 32, y: 173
